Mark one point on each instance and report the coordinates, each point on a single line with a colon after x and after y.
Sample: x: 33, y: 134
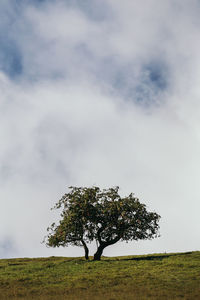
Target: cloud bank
x: 99, y: 95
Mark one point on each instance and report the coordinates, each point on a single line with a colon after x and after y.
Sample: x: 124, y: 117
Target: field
x: 160, y: 276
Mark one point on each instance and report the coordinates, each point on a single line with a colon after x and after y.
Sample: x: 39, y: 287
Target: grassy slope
x: 165, y: 276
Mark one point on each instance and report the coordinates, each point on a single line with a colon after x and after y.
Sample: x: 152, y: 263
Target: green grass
x: 160, y: 276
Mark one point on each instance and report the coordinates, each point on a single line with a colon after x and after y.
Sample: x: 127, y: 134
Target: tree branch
x: 99, y: 231
x: 111, y: 242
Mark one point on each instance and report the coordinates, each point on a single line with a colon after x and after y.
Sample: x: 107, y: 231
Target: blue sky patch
x: 157, y: 75
x: 140, y: 84
x: 95, y: 10
x: 10, y: 58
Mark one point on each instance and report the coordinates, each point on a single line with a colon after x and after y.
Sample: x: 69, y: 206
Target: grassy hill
x: 160, y: 276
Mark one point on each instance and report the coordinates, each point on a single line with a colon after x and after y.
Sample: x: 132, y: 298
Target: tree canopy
x: 92, y: 214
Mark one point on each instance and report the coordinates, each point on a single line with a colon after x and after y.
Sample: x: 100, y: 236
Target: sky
x: 101, y: 93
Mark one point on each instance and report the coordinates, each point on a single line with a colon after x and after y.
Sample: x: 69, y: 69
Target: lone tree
x: 91, y: 214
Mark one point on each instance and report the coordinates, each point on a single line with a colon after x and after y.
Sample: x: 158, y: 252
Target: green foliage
x: 161, y: 276
x: 90, y: 214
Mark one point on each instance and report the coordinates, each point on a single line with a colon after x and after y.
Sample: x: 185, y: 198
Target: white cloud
x: 108, y: 102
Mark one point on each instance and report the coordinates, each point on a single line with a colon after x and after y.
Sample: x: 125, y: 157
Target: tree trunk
x: 97, y: 255
x: 103, y: 245
x: 86, y: 250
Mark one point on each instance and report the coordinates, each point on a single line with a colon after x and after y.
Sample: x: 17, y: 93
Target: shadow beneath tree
x: 156, y: 257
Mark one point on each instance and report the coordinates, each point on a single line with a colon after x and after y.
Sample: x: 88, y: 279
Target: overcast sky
x: 99, y: 93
